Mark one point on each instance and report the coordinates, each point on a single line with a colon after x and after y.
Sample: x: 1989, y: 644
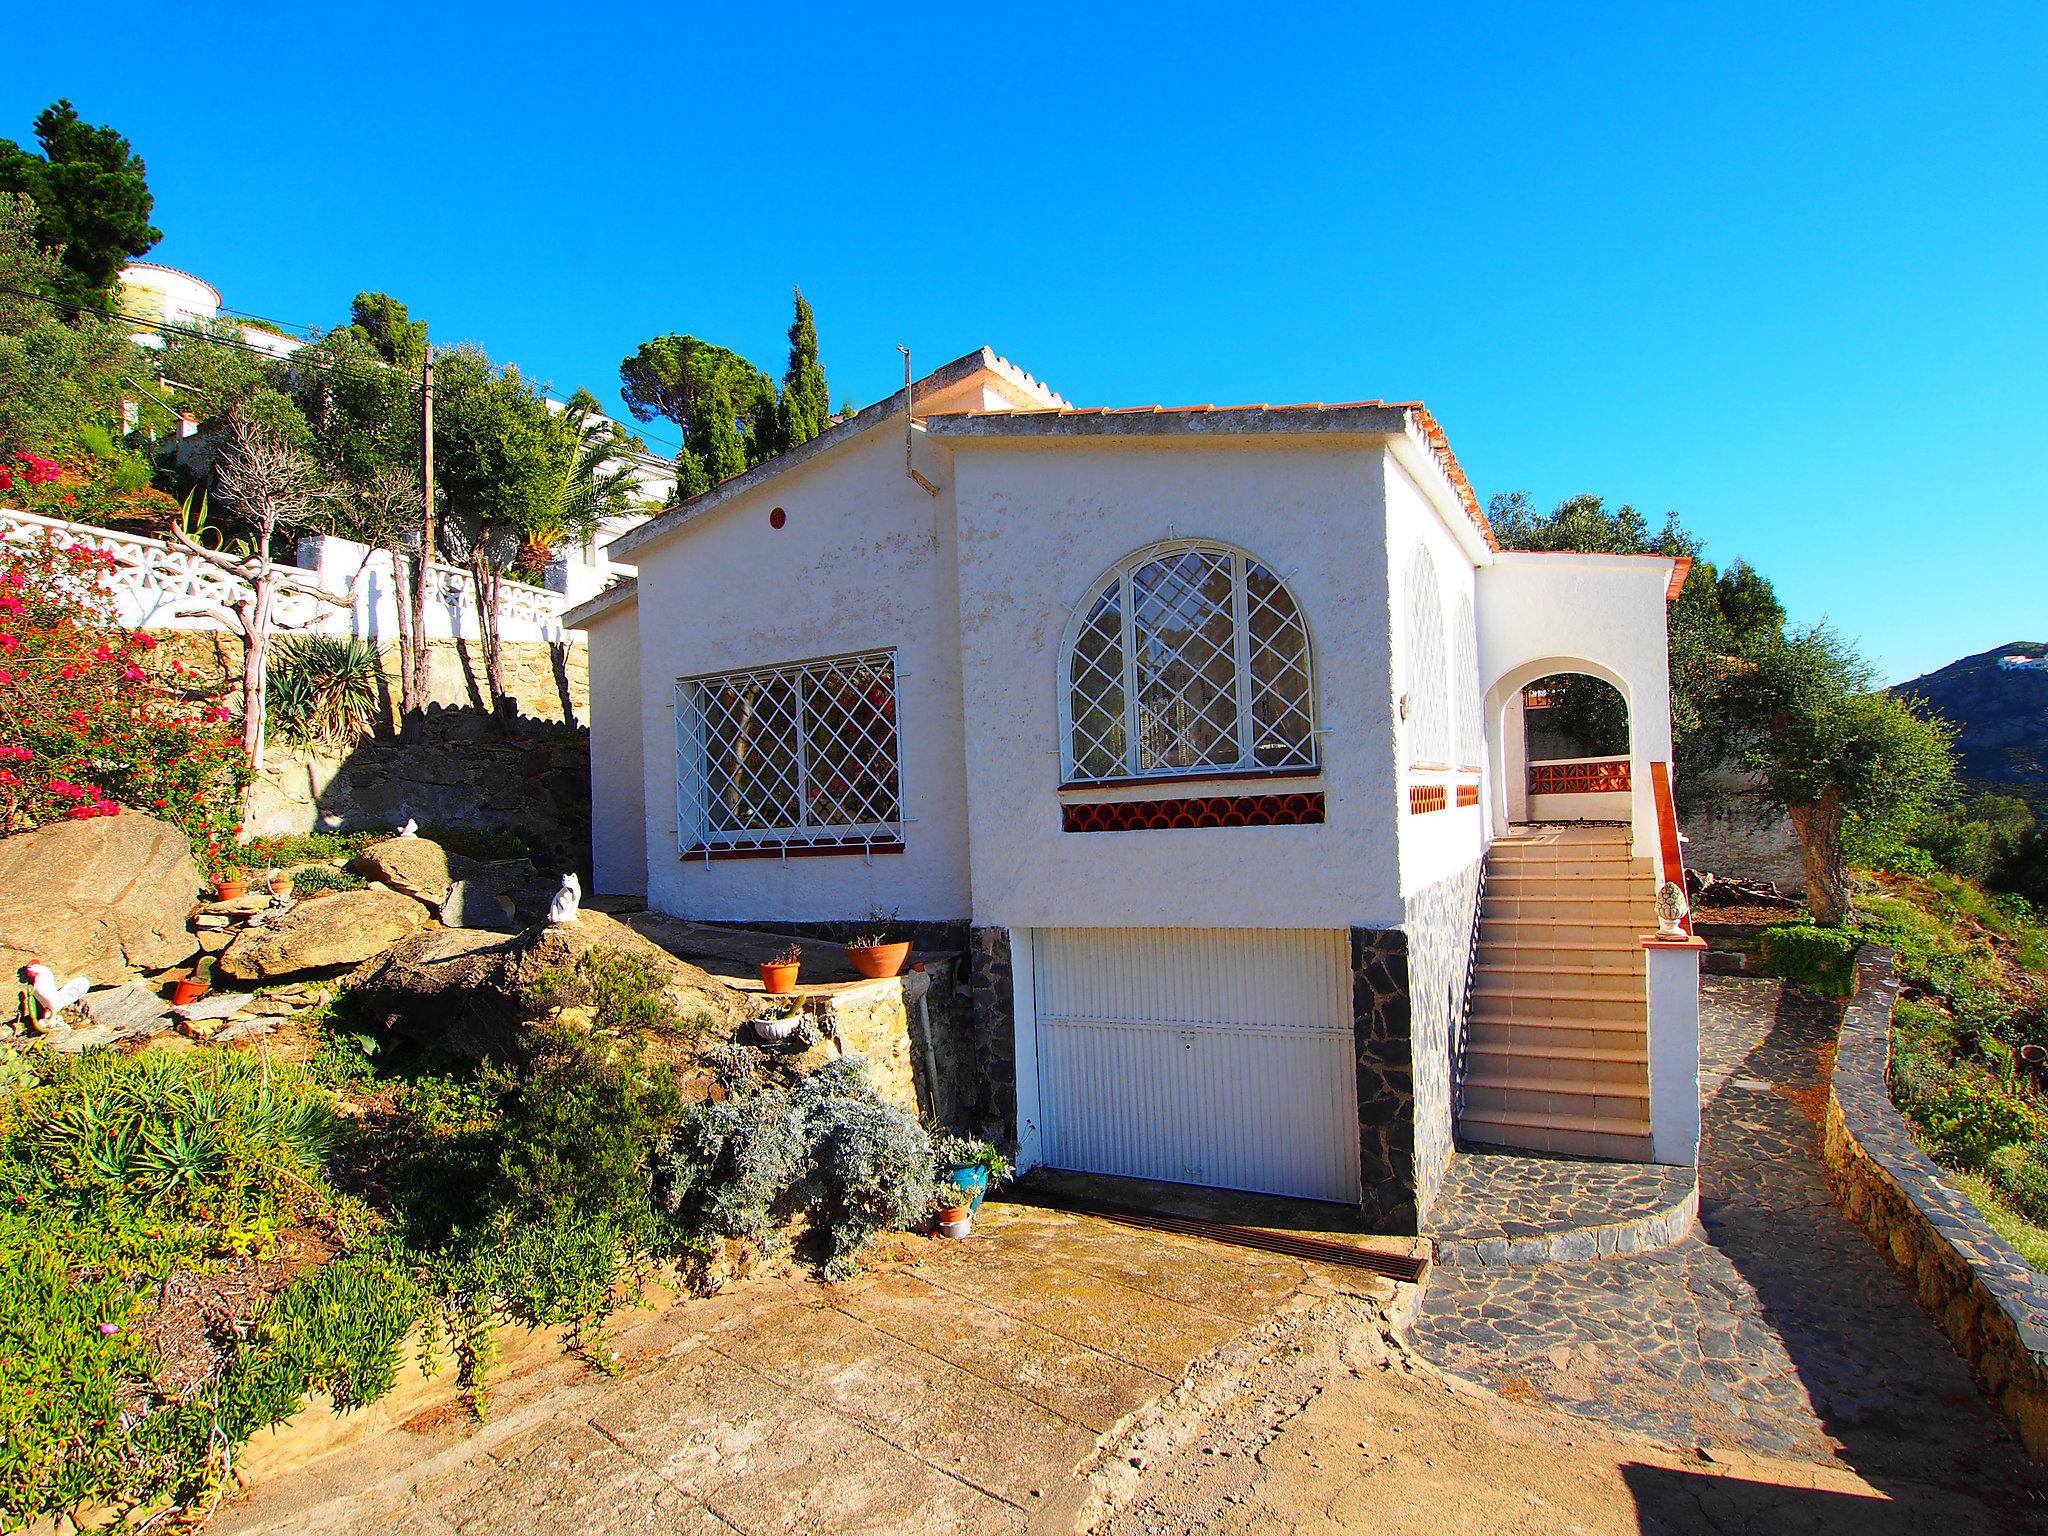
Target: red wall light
x: 777, y: 517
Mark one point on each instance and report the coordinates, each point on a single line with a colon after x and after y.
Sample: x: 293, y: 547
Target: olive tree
x: 1832, y: 749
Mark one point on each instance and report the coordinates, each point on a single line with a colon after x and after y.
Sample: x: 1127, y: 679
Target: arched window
x: 1187, y: 657
x: 1429, y: 704
x: 1465, y: 687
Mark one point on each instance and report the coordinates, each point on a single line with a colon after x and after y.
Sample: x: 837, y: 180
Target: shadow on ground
x: 1774, y: 1326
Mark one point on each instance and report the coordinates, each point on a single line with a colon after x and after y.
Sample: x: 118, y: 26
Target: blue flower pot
x: 972, y: 1182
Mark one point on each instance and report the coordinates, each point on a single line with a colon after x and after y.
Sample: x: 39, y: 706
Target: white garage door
x: 1199, y: 1055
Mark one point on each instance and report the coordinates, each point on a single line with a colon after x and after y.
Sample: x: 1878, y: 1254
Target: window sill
x: 1197, y: 776
x: 715, y: 852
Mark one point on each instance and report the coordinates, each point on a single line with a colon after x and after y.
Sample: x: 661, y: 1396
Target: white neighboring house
x: 1200, y: 723
x: 155, y: 294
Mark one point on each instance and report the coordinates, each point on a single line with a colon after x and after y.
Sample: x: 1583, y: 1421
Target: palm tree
x: 590, y: 484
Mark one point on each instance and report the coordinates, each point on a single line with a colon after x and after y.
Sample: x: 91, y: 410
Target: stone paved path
x: 958, y: 1393
x: 1774, y: 1327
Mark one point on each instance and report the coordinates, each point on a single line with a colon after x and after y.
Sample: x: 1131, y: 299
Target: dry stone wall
x: 450, y: 768
x: 547, y: 681
x: 1992, y: 1304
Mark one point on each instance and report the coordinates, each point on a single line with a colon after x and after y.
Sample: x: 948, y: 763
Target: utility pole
x: 427, y: 458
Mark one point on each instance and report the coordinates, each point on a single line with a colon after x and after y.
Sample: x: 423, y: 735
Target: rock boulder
x: 345, y: 928
x: 413, y: 866
x: 105, y: 897
x: 467, y: 991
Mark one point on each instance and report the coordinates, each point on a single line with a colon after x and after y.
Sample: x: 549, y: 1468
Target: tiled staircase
x: 1557, y: 1051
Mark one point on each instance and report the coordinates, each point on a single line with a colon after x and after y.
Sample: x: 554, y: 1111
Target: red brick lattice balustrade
x: 1424, y: 798
x: 1204, y: 811
x: 1579, y: 778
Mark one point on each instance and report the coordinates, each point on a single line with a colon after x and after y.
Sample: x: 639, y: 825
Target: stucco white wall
x: 1039, y: 524
x: 864, y: 560
x: 618, y: 805
x: 1436, y: 843
x: 1599, y: 614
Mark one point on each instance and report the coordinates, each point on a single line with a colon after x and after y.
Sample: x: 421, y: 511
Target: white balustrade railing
x: 157, y: 585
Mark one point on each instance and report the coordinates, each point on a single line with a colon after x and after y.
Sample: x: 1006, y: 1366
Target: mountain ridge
x: 2001, y: 720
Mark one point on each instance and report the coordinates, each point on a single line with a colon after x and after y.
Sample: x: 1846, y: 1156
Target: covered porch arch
x: 1599, y: 616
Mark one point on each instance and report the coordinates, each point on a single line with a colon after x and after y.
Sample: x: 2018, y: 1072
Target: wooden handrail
x: 1671, y: 850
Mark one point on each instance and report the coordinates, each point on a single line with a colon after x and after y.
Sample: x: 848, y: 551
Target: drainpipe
x: 910, y: 425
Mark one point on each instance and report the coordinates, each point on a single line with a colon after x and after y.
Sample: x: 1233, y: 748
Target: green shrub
x: 579, y: 1127
x: 1966, y: 1112
x: 625, y: 992
x: 322, y: 878
x: 829, y: 1148
x: 308, y: 848
x: 484, y: 844
x: 1822, y: 960
x: 2021, y: 1176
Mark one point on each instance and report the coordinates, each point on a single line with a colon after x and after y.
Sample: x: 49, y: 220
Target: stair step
x: 1597, y: 1125
x: 1535, y: 960
x: 1518, y: 1008
x: 1535, y: 1037
x: 1620, y: 1054
x: 1580, y: 1088
x: 1570, y: 985
x: 1486, y: 1019
x: 1621, y: 1147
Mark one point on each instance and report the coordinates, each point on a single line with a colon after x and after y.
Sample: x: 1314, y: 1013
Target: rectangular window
x: 788, y: 759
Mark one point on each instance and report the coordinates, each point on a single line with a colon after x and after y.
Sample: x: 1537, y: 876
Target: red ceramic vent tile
x: 1206, y: 811
x: 1578, y: 778
x: 1468, y: 794
x: 1423, y: 798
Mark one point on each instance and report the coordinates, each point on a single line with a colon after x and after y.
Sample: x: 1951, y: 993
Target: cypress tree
x: 806, y: 406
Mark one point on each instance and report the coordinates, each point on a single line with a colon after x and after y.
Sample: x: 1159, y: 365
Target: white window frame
x: 1244, y: 686
x: 696, y: 836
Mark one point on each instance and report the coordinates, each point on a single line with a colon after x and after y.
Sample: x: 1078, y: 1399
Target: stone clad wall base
x: 991, y: 991
x: 1382, y: 1038
x: 1442, y: 921
x: 1989, y: 1300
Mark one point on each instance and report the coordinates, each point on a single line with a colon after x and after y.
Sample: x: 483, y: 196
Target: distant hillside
x: 2002, y: 716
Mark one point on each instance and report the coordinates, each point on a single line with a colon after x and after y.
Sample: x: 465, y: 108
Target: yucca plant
x: 324, y: 689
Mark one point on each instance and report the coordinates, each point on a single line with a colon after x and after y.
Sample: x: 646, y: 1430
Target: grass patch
x: 2030, y: 1239
x: 329, y: 1210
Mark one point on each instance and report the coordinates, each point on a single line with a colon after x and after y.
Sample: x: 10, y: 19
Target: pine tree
x: 806, y: 407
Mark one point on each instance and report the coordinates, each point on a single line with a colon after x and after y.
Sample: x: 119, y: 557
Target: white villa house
x: 1206, y: 728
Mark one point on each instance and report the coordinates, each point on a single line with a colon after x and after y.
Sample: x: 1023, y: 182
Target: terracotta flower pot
x: 187, y: 990
x: 228, y: 890
x: 281, y: 887
x: 955, y: 1221
x: 779, y: 978
x: 877, y: 961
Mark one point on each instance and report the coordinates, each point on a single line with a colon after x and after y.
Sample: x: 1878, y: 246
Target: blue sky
x: 1779, y: 268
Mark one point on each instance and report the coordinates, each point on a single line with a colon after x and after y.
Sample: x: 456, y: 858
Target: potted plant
x: 782, y: 1025
x: 778, y: 972
x: 189, y: 989
x: 956, y: 1212
x: 279, y: 883
x: 230, y: 883
x: 878, y: 951
x: 971, y: 1166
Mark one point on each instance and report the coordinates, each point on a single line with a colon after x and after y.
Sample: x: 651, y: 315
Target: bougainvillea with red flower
x: 85, y: 727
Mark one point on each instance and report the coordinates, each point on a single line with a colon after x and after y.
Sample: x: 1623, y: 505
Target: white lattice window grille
x: 1190, y: 657
x: 1429, y: 704
x: 1465, y: 687
x: 791, y: 757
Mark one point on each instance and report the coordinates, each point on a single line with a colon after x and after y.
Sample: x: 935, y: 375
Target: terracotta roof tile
x: 1425, y: 423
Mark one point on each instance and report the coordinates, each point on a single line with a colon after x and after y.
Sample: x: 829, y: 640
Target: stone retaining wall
x: 546, y: 681
x: 452, y: 768
x: 1992, y: 1304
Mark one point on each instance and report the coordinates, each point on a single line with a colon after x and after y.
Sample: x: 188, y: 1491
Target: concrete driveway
x: 961, y: 1390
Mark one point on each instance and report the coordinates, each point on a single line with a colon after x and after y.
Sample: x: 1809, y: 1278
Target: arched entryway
x: 1575, y: 749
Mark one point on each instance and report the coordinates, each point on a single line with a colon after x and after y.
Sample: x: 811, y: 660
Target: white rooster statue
x: 53, y: 999
x: 410, y: 829
x: 562, y: 910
